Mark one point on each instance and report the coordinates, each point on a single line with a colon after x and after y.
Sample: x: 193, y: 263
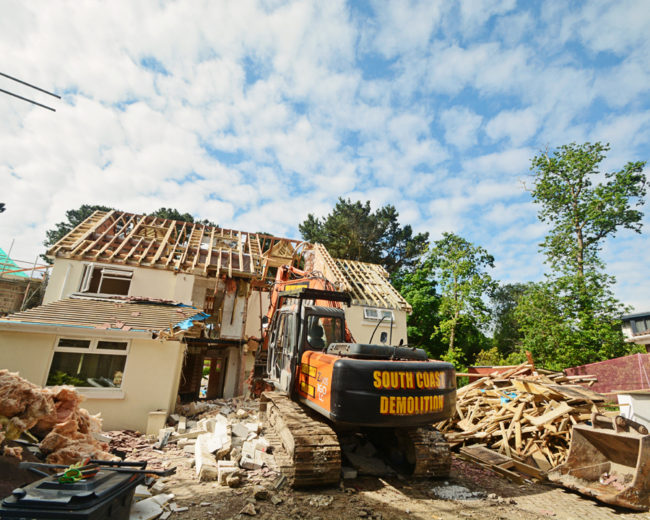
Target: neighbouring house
x: 19, y: 287
x: 175, y: 307
x: 636, y: 328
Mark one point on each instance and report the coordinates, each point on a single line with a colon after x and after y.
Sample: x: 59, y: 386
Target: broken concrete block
x: 142, y: 491
x: 225, y: 411
x: 242, y: 414
x: 146, y: 509
x: 239, y: 430
x: 155, y: 421
x: 262, y: 445
x: 185, y: 442
x: 225, y: 468
x: 182, y: 424
x: 250, y: 457
x: 253, y: 426
x: 205, y: 462
x: 348, y: 473
x: 158, y: 487
x: 189, y: 448
x: 163, y: 498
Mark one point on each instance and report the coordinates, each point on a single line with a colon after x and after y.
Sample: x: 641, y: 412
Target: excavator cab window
x: 322, y: 331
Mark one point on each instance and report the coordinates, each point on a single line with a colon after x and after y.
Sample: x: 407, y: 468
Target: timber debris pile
x: 520, y: 419
x: 51, y: 418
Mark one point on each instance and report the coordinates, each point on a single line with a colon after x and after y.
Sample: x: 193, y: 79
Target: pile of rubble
x: 522, y: 415
x: 224, y: 437
x: 50, y: 418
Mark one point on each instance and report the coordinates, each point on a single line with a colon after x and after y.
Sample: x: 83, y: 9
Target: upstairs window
x: 640, y: 325
x: 106, y: 280
x: 370, y: 313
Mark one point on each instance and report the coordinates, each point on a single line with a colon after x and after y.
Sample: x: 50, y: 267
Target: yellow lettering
x: 377, y: 379
x: 391, y: 407
x: 385, y: 379
x: 401, y: 380
x: 436, y: 378
x: 418, y: 377
x: 383, y: 405
x: 400, y: 407
x: 409, y: 405
x: 409, y: 380
x: 426, y: 380
x: 394, y: 380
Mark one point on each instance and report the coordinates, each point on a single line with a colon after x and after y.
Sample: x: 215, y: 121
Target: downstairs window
x: 88, y: 363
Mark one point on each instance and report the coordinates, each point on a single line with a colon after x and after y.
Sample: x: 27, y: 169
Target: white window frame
x: 90, y: 391
x: 108, y: 272
x: 378, y: 314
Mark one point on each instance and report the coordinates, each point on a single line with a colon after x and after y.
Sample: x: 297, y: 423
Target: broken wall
x: 67, y: 276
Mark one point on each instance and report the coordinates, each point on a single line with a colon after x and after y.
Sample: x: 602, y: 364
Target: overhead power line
x: 31, y: 86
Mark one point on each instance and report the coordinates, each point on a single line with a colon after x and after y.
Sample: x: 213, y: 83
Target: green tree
x: 572, y: 317
x: 507, y: 334
x: 353, y: 232
x: 460, y: 268
x: 570, y: 321
x: 581, y: 214
x: 418, y: 287
x: 174, y: 214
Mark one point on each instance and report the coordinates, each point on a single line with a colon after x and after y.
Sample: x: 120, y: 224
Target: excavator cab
x: 296, y: 329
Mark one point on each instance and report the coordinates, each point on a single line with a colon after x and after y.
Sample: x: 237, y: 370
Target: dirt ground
x: 471, y: 492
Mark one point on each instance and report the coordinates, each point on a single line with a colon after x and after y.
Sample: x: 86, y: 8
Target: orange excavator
x: 321, y: 383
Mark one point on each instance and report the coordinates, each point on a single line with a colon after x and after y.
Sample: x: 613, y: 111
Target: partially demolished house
x: 142, y: 311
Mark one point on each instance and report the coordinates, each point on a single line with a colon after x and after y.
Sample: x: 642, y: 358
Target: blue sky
x: 255, y: 113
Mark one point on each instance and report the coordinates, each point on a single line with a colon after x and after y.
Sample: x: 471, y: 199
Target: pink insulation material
x: 51, y: 414
x: 22, y: 402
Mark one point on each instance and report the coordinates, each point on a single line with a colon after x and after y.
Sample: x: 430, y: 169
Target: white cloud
x: 518, y: 126
x: 255, y: 113
x: 461, y: 126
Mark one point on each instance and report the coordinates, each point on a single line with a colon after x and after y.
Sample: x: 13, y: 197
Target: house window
x: 106, y: 280
x: 640, y: 325
x: 88, y: 363
x: 370, y: 313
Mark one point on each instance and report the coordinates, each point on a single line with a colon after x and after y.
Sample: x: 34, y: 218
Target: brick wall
x: 12, y: 292
x: 624, y: 373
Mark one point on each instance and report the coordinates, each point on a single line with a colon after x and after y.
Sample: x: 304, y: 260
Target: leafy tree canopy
x: 418, y: 287
x: 507, y: 332
x: 573, y: 317
x: 353, y: 232
x: 581, y: 210
x: 461, y: 269
x: 572, y: 320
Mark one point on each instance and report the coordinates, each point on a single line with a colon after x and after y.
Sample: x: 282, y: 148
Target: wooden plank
x: 551, y: 415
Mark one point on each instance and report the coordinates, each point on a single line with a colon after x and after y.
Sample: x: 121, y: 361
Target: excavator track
x: 427, y: 451
x: 309, y: 452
